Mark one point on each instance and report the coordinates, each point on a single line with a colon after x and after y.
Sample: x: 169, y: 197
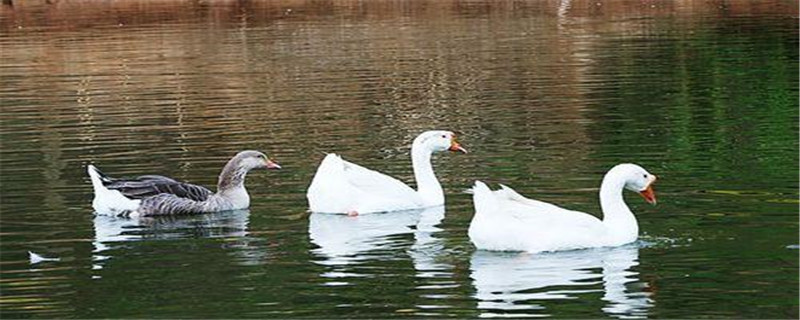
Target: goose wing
x: 505, y: 220
x: 544, y: 213
x: 376, y: 183
x: 341, y: 186
x: 152, y: 185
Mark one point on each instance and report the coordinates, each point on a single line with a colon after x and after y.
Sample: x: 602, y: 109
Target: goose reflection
x: 435, y: 275
x: 344, y: 242
x: 517, y: 284
x: 112, y: 232
x: 427, y: 248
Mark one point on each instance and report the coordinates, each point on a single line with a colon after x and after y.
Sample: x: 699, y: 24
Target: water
x: 547, y: 95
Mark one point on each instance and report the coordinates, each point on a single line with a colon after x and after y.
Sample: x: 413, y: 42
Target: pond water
x: 547, y: 95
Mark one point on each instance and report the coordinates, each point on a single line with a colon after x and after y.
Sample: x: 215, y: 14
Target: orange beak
x: 648, y: 193
x: 271, y: 165
x: 454, y: 146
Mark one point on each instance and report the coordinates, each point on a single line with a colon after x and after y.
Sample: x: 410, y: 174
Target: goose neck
x: 231, y: 177
x: 616, y: 214
x: 231, y: 188
x: 428, y: 185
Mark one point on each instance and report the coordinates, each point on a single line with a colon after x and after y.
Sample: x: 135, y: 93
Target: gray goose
x: 153, y: 195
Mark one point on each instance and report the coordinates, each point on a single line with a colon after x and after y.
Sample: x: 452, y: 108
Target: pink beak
x: 271, y: 165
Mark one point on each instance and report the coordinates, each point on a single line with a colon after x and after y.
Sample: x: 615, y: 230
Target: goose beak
x: 454, y: 146
x: 648, y: 193
x: 269, y: 164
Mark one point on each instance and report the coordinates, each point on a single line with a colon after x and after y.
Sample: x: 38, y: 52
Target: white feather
x: 505, y: 220
x: 340, y: 186
x: 36, y: 258
x: 109, y: 202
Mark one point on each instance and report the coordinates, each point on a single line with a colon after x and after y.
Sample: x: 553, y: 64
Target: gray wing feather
x: 169, y: 204
x: 151, y: 185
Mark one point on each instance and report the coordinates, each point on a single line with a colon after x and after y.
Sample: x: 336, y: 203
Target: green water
x: 546, y: 95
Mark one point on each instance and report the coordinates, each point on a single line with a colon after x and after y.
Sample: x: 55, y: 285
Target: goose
x: 340, y: 186
x: 504, y: 220
x: 154, y: 195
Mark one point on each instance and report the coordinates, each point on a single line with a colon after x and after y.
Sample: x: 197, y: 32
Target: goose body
x: 507, y: 221
x: 152, y: 195
x: 340, y: 186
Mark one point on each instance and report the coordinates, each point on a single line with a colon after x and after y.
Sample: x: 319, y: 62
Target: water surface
x: 547, y: 95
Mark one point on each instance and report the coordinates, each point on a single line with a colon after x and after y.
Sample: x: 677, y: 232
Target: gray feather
x: 170, y: 204
x: 151, y: 185
x: 162, y: 195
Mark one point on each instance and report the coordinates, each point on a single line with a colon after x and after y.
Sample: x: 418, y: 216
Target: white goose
x: 152, y: 195
x: 505, y: 220
x: 344, y: 187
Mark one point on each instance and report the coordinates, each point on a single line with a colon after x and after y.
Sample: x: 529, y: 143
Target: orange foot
x: 352, y: 213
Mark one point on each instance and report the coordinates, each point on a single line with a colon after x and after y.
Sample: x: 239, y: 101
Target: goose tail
x: 99, y: 179
x: 482, y: 198
x: 107, y: 201
x: 326, y: 191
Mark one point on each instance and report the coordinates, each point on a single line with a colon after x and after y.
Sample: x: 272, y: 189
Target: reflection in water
x: 426, y: 247
x: 341, y: 239
x: 435, y: 276
x: 511, y: 282
x: 352, y: 248
x: 111, y: 231
x: 344, y: 240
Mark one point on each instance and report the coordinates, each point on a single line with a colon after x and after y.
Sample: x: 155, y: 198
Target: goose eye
x: 444, y: 136
x: 645, y: 176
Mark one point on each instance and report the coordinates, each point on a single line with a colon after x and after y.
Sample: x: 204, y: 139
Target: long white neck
x: 428, y: 186
x: 617, y: 217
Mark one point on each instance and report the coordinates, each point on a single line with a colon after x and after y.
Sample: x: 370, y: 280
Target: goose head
x: 250, y: 160
x: 637, y: 179
x: 438, y: 140
x: 232, y: 175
